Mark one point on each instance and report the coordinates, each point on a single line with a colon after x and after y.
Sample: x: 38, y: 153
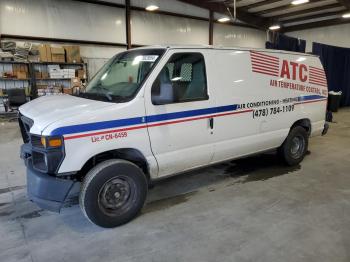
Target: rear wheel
x: 113, y: 193
x: 294, y: 148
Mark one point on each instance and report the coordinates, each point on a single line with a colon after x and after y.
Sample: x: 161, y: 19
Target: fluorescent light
x: 346, y: 15
x: 152, y: 8
x: 223, y: 19
x: 274, y: 27
x: 299, y: 2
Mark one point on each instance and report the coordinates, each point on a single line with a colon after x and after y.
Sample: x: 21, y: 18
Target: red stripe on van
x: 265, y: 72
x: 258, y: 66
x: 155, y: 125
x: 312, y: 101
x: 318, y: 81
x: 105, y: 132
x: 315, y: 79
x: 318, y: 76
x: 263, y: 59
x: 259, y: 63
x: 320, y: 70
x: 264, y: 55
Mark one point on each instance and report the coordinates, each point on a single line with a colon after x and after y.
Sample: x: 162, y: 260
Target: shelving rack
x: 31, y: 81
x: 10, y: 82
x: 42, y: 67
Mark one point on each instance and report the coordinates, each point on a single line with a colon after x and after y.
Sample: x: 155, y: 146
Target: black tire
x: 113, y: 193
x: 294, y: 148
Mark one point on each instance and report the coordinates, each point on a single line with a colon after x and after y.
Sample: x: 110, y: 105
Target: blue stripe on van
x: 190, y: 113
x: 73, y: 129
x: 66, y: 130
x: 312, y: 97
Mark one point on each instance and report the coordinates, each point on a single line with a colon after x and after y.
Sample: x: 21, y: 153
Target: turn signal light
x: 51, y: 142
x: 54, y: 142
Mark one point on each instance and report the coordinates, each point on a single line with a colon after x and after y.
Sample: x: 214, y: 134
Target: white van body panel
x: 179, y: 143
x: 238, y: 84
x: 102, y: 133
x: 49, y: 109
x: 243, y: 87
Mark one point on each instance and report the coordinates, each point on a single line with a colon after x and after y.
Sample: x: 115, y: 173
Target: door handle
x: 211, y: 123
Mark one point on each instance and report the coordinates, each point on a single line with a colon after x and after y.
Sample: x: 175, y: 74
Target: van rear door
x: 178, y: 111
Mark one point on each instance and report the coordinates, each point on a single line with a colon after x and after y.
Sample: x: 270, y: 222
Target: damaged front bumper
x: 47, y: 191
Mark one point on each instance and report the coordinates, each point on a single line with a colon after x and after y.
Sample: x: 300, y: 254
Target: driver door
x: 178, y: 109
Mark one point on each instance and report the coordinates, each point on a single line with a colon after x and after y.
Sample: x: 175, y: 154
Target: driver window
x: 182, y: 79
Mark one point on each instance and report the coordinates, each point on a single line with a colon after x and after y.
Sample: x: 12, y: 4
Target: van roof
x: 225, y: 48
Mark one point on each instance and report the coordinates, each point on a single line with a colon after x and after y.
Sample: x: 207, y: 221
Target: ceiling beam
x: 345, y: 3
x: 289, y: 6
x: 337, y: 21
x: 300, y: 19
x: 256, y: 21
x: 258, y: 4
x: 306, y: 11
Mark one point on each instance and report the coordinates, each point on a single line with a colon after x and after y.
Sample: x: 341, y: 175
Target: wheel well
x: 305, y: 123
x: 129, y: 154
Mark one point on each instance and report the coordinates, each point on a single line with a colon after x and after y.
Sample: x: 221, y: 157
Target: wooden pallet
x: 7, y: 59
x: 8, y: 116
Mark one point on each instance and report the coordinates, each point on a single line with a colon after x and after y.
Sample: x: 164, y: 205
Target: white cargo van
x: 158, y: 111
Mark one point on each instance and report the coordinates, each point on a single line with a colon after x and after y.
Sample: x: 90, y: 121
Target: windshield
x: 122, y: 76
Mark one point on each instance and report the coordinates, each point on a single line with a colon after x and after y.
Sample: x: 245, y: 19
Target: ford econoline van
x: 154, y: 112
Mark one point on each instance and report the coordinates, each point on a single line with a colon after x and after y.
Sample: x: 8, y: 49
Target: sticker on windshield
x: 148, y: 58
x: 144, y: 58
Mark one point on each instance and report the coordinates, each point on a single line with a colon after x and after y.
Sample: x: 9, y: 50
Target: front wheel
x: 294, y: 148
x: 113, y: 193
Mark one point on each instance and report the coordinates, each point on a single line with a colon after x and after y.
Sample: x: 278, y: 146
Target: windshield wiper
x: 105, y: 91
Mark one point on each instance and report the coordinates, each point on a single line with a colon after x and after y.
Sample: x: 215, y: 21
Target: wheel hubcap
x: 297, y: 147
x: 116, y: 195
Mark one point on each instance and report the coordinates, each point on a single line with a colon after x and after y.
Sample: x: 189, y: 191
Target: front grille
x: 36, y: 141
x: 25, y: 124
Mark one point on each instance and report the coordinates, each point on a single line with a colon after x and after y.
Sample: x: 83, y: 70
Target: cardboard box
x: 58, y: 55
x: 68, y: 90
x: 81, y: 73
x: 45, y: 53
x: 75, y: 82
x: 38, y: 75
x: 42, y: 53
x: 56, y: 73
x: 44, y: 75
x: 48, y: 53
x: 19, y: 71
x: 22, y: 75
x: 23, y: 68
x: 16, y: 68
x: 72, y: 54
x: 53, y: 67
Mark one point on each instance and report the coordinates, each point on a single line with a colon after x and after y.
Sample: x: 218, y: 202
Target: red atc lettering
x: 292, y: 70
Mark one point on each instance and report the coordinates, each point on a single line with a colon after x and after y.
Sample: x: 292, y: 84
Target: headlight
x: 51, y: 142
